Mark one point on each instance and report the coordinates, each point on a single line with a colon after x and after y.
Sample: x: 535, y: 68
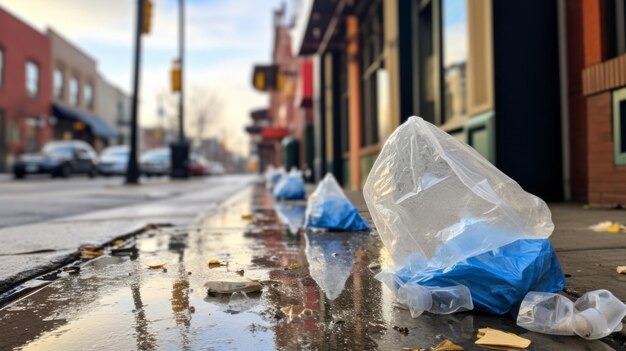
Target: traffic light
x: 267, y: 78
x: 147, y: 16
x: 176, y: 76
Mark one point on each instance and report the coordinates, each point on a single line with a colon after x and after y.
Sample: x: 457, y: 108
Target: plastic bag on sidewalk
x: 594, y: 315
x: 290, y: 187
x: 442, y: 209
x: 273, y: 176
x: 329, y: 208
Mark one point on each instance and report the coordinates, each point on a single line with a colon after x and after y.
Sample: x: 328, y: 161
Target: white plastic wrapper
x: 436, y: 201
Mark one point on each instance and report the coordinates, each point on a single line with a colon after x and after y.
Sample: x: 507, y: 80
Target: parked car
x: 114, y: 160
x: 198, y: 165
x: 217, y: 168
x: 59, y: 159
x: 156, y: 162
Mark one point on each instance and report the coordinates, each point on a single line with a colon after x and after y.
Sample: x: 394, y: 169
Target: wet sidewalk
x: 318, y: 292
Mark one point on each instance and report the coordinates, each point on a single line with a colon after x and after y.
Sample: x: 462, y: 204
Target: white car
x: 114, y: 160
x: 156, y: 162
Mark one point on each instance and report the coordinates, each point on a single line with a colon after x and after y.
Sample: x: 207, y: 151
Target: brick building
x: 25, y: 89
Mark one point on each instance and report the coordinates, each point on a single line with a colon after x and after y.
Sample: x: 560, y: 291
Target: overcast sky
x: 224, y: 39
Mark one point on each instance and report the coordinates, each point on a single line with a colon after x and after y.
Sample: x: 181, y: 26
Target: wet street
x: 318, y: 292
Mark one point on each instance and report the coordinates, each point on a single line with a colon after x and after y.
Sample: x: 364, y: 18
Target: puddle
x: 116, y: 302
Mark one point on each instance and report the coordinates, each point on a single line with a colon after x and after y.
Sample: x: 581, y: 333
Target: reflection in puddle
x: 291, y: 215
x: 330, y: 256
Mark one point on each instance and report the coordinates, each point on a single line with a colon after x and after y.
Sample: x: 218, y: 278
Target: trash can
x: 291, y: 152
x: 179, y: 165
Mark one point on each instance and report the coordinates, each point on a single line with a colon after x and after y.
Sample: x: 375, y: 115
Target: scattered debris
x: 374, y: 265
x: 621, y: 269
x: 124, y: 251
x: 192, y: 309
x: 498, y: 338
x: 240, y: 272
x: 156, y: 266
x: 229, y: 286
x: 88, y: 255
x: 414, y: 349
x: 247, y: 217
x: 188, y: 273
x: 403, y: 330
x: 71, y: 269
x: 335, y: 254
x: 214, y: 263
x: 296, y: 311
x: 118, y: 242
x: 292, y: 267
x: 90, y: 247
x: 608, y: 227
x: 447, y: 345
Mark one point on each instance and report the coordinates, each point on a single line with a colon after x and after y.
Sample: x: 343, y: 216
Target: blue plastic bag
x: 329, y: 208
x: 498, y: 280
x: 290, y: 187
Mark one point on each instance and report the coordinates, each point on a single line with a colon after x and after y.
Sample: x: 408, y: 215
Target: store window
x: 454, y: 28
x: 88, y: 95
x: 619, y: 126
x: 615, y: 27
x: 32, y: 79
x: 74, y: 91
x: 1, y: 67
x: 372, y: 46
x: 59, y: 84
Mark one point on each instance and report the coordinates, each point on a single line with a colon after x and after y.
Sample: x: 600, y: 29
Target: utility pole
x: 180, y: 149
x: 132, y: 171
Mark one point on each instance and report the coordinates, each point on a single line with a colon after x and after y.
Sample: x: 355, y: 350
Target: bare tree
x: 204, y: 107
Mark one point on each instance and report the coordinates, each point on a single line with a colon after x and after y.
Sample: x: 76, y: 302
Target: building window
x: 74, y: 91
x: 619, y: 126
x: 454, y: 58
x: 32, y: 79
x: 1, y: 67
x: 372, y: 44
x: 88, y: 95
x: 615, y: 27
x: 32, y: 134
x: 59, y: 84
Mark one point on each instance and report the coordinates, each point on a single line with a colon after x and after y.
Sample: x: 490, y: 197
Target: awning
x: 99, y: 127
x: 274, y: 133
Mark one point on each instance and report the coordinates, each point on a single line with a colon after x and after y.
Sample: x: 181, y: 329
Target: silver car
x: 156, y: 162
x: 114, y: 160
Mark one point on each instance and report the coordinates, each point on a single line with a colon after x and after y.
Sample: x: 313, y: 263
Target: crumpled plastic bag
x: 290, y: 187
x: 273, y: 176
x: 329, y: 208
x: 436, y: 203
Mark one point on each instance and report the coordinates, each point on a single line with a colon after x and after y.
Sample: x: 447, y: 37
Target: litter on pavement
x: 232, y: 285
x: 608, y: 227
x: 450, y: 218
x: 498, y: 338
x: 621, y: 269
x: 290, y: 187
x: 295, y: 311
x: 594, y: 315
x: 329, y: 208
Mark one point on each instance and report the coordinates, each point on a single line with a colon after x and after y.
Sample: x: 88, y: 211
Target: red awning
x: 274, y: 133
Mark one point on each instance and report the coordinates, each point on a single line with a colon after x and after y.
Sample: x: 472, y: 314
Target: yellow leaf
x: 87, y: 255
x: 247, y: 217
x: 214, y: 263
x: 448, y: 345
x: 156, y: 266
x: 118, y: 242
x: 494, y: 337
x: 294, y: 266
x: 621, y: 269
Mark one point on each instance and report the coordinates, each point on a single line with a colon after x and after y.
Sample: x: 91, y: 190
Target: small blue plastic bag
x: 329, y: 208
x: 290, y: 187
x: 498, y: 280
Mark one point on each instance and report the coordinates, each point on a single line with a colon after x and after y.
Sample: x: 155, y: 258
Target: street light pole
x: 132, y: 171
x: 181, y: 58
x: 180, y: 149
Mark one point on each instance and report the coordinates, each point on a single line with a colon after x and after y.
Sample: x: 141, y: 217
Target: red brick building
x: 25, y: 88
x: 596, y: 73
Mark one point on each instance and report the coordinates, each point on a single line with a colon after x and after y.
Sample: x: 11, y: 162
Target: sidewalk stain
x: 329, y: 301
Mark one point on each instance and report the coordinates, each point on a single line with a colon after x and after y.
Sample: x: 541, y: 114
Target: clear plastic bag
x: 290, y: 186
x: 437, y: 201
x: 594, y: 315
x: 449, y: 217
x: 439, y: 300
x: 329, y: 208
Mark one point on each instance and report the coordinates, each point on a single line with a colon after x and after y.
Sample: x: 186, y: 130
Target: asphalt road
x: 39, y: 199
